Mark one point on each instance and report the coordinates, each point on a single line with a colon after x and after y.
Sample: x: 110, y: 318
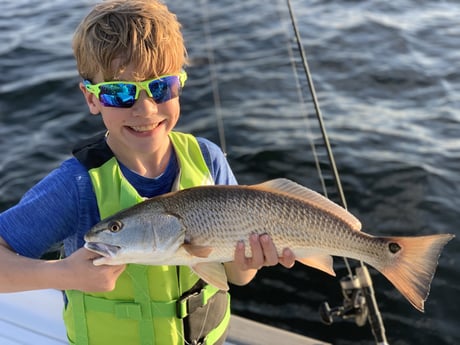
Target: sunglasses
x: 123, y: 94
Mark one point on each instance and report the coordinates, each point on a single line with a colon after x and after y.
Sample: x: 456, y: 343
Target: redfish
x: 200, y: 227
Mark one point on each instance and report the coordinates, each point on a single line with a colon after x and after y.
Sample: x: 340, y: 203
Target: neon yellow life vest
x: 149, y: 303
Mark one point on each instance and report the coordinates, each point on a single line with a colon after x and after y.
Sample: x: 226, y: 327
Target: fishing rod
x: 359, y: 297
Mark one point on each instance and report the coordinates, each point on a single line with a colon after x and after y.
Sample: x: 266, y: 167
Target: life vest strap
x: 78, y: 310
x: 180, y: 308
x: 129, y: 310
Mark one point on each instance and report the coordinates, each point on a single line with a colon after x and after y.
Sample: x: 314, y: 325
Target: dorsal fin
x: 285, y: 186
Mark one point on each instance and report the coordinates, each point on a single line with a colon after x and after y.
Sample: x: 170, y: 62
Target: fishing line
x: 302, y: 102
x: 318, y: 116
x: 213, y: 72
x: 365, y: 285
x: 317, y: 108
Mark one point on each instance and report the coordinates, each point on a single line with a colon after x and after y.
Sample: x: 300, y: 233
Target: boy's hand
x: 264, y: 253
x: 85, y: 276
x: 243, y: 269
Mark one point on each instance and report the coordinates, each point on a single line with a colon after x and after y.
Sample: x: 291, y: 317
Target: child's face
x: 140, y: 130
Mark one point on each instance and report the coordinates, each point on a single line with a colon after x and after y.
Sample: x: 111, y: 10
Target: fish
x: 200, y: 227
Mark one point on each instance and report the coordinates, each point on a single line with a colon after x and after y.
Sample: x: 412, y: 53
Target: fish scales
x: 226, y: 215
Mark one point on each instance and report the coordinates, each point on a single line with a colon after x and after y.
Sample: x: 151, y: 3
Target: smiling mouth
x: 145, y: 128
x: 106, y: 250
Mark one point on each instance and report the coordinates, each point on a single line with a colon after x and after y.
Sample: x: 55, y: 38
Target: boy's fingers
x: 264, y: 253
x: 288, y: 258
x: 269, y: 251
x: 258, y: 258
x: 239, y: 254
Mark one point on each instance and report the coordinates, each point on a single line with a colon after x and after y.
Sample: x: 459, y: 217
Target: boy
x: 130, y: 55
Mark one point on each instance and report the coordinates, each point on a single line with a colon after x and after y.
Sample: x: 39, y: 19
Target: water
x: 387, y: 75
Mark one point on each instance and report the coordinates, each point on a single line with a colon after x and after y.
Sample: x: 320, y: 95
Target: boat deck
x: 35, y: 318
x: 247, y: 332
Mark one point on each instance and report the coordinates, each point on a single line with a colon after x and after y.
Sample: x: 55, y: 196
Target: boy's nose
x: 144, y: 105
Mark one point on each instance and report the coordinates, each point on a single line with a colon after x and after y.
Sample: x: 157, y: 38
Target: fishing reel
x: 354, y: 303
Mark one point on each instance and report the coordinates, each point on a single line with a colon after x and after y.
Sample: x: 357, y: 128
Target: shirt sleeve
x: 216, y: 162
x: 47, y: 214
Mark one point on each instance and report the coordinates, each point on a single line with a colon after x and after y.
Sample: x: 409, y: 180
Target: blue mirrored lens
x: 117, y: 95
x: 165, y: 89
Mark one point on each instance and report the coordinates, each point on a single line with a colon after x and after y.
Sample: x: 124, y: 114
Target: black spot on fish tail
x: 394, y: 247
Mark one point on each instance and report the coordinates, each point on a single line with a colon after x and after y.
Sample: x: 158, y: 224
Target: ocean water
x: 387, y: 76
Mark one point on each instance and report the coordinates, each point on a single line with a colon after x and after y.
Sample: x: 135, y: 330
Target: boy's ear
x: 90, y: 99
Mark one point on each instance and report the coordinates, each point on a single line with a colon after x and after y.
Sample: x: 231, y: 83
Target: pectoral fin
x: 197, y: 250
x: 320, y: 262
x: 212, y: 273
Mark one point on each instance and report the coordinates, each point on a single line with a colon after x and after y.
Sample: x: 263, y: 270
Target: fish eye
x: 115, y: 226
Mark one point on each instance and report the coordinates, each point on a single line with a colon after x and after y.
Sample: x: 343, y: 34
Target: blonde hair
x: 141, y: 33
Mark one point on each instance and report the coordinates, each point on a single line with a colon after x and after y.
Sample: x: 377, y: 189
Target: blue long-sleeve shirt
x: 63, y: 206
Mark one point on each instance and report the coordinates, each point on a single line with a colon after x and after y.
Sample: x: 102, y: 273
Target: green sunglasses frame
x: 141, y: 85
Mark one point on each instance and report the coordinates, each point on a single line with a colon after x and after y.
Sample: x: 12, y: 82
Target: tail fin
x: 414, y: 266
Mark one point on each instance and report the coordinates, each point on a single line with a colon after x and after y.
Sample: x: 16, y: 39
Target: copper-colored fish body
x: 201, y: 226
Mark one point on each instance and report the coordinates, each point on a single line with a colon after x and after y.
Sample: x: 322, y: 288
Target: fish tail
x: 414, y: 265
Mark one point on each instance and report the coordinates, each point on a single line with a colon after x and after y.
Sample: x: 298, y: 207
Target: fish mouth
x: 104, y: 249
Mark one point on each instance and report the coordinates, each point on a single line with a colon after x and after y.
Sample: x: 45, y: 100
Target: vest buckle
x: 188, y: 304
